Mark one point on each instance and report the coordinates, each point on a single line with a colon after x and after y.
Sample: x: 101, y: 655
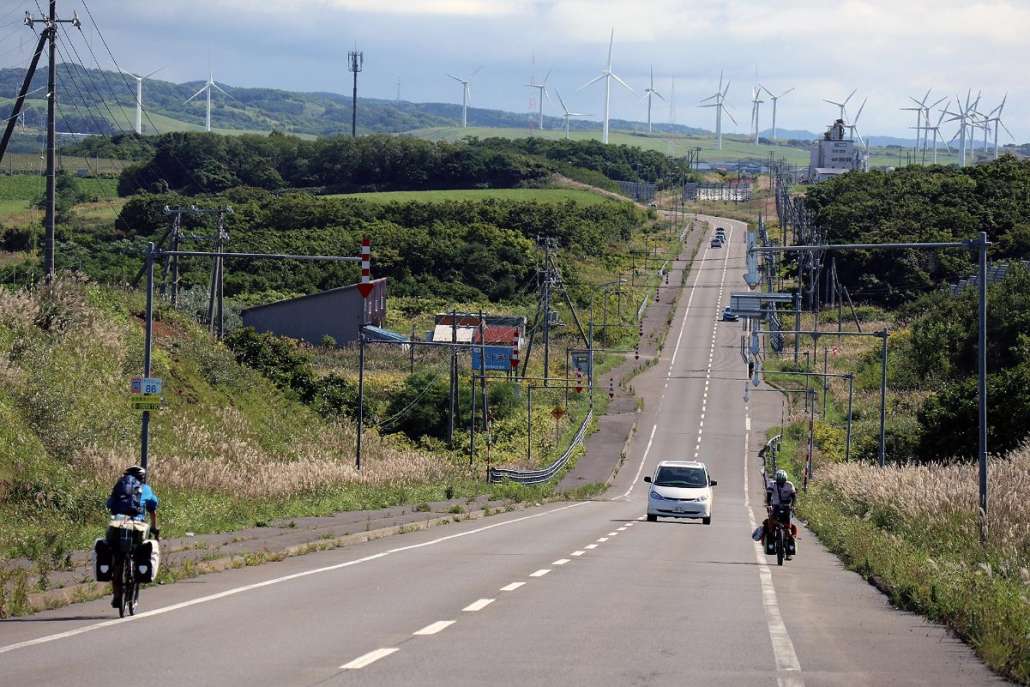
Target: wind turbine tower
x: 607, y: 74
x: 995, y: 117
x: 649, y: 92
x: 756, y: 104
x: 963, y: 117
x: 720, y: 107
x: 542, y: 88
x: 466, y: 96
x: 568, y: 115
x: 207, y: 89
x: 139, y: 98
x: 672, y: 101
x: 775, y: 99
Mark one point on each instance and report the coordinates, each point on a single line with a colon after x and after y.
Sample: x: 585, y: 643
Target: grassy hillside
x: 734, y: 148
x: 228, y: 448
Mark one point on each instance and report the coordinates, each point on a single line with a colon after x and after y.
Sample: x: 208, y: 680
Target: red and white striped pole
x: 365, y: 286
x: 515, y: 352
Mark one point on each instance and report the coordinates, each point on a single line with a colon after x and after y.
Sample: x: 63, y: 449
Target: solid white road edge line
x: 277, y: 580
x: 433, y: 628
x: 369, y: 658
x: 477, y: 605
x: 788, y: 667
x: 643, y: 459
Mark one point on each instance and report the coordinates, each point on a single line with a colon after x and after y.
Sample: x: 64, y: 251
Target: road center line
x: 590, y: 546
x: 643, y: 459
x: 477, y: 605
x: 433, y: 628
x: 512, y: 586
x: 368, y: 659
x: 540, y: 573
x: 267, y: 583
x: 561, y: 561
x: 578, y: 553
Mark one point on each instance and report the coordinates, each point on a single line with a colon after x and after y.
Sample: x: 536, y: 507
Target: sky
x: 887, y: 50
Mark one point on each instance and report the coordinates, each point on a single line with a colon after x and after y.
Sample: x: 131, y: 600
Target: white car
x: 680, y: 489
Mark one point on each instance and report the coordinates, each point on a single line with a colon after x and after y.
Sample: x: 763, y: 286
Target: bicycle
x: 781, y: 532
x: 129, y: 585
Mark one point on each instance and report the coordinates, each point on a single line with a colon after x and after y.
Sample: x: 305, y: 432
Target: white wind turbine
x: 921, y: 113
x: 936, y: 129
x: 207, y: 88
x: 843, y: 105
x: 756, y: 104
x: 607, y: 74
x: 649, y: 92
x: 964, y: 117
x: 995, y: 117
x: 568, y: 115
x: 466, y: 96
x: 139, y: 97
x: 774, y: 99
x: 542, y: 88
x: 720, y: 107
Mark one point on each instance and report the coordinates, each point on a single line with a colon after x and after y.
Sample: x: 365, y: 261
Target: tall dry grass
x: 933, y: 497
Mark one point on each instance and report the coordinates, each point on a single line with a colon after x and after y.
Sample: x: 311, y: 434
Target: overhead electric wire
x: 90, y: 109
x: 121, y: 71
x: 103, y: 75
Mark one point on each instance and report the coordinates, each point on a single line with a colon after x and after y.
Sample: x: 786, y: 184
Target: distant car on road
x: 728, y: 315
x: 716, y: 242
x: 680, y: 489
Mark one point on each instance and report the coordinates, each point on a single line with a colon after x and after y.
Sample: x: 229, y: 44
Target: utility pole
x: 547, y: 310
x: 49, y: 36
x: 355, y: 62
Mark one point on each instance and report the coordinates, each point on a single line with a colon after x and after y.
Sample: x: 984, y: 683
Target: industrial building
x: 338, y: 313
x: 834, y: 154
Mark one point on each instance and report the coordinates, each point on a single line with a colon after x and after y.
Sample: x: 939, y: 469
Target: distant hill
x: 96, y: 101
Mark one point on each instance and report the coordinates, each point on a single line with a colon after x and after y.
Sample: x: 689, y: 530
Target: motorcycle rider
x: 780, y: 497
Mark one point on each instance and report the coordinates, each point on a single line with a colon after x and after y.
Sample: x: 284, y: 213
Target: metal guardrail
x: 496, y: 475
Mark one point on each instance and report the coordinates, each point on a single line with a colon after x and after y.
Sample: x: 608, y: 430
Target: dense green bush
x: 917, y: 203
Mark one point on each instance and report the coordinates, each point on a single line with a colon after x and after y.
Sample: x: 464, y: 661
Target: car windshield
x: 687, y: 478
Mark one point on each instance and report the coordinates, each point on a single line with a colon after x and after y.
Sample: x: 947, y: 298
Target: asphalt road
x: 578, y: 594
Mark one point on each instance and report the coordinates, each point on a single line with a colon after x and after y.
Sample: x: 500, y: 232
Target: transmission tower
x: 355, y: 62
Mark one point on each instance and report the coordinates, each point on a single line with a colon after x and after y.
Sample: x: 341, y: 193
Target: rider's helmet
x: 138, y: 472
x: 781, y: 477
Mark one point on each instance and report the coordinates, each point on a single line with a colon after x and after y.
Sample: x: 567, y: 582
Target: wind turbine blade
x: 548, y: 76
x: 196, y: 94
x: 785, y: 92
x: 474, y: 72
x: 711, y: 97
x: 1006, y: 130
x: 710, y: 105
x: 849, y: 97
x: 936, y: 103
x: 941, y: 118
x: 592, y: 81
x: 727, y: 89
x: 563, y: 106
x: 611, y: 42
x: 614, y: 76
x: 456, y: 78
x: 547, y: 96
x: 763, y: 88
x: 833, y: 102
x: 660, y: 96
x: 152, y: 73
x: 225, y: 92
x: 855, y: 120
x: 728, y: 114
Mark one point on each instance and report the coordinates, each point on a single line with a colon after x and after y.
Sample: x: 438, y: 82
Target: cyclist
x: 780, y: 497
x: 132, y: 498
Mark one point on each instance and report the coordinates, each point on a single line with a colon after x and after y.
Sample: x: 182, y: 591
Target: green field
x: 19, y: 191
x: 540, y: 195
x: 734, y: 147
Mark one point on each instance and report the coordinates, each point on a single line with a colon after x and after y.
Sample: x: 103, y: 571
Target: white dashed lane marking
x: 540, y: 573
x: 368, y: 659
x: 477, y: 605
x: 433, y: 628
x: 512, y: 587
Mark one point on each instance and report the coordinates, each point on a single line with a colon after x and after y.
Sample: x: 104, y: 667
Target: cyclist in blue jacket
x: 132, y: 498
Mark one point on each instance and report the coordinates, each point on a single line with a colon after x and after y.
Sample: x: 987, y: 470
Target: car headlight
x: 656, y: 496
x: 702, y: 498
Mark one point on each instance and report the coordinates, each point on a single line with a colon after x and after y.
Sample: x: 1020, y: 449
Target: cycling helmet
x: 781, y: 477
x: 138, y: 472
